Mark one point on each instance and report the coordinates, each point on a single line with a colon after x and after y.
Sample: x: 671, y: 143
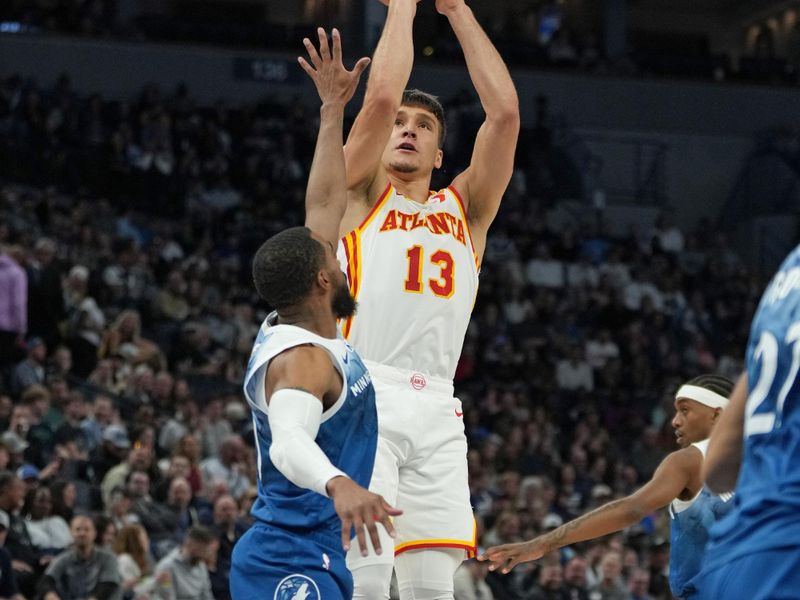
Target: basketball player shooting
x: 412, y: 258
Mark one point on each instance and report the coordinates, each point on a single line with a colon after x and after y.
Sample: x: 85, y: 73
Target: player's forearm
x: 326, y: 192
x: 393, y: 58
x: 487, y: 70
x: 724, y: 457
x: 606, y: 519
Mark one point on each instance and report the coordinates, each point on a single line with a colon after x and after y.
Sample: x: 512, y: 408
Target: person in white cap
x: 677, y: 483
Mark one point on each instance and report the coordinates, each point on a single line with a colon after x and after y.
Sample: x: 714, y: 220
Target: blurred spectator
x: 180, y: 503
x: 119, y: 508
x: 106, y: 531
x: 45, y: 302
x: 132, y: 547
x: 124, y: 341
x: 549, y: 584
x: 183, y: 572
x: 49, y: 533
x: 8, y: 582
x: 575, y: 373
x: 136, y: 459
x: 610, y: 586
x: 659, y: 569
x: 64, y: 496
x: 469, y: 582
x: 228, y: 528
x: 228, y: 466
x: 83, y: 571
x: 182, y: 423
x: 31, y: 370
x: 639, y: 584
x: 215, y: 429
x: 575, y: 579
x: 13, y: 309
x: 159, y: 521
x: 24, y: 558
x: 189, y: 448
x: 102, y: 416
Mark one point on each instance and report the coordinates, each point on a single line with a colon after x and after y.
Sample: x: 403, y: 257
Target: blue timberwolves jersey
x: 347, y: 435
x: 767, y: 503
x: 690, y: 521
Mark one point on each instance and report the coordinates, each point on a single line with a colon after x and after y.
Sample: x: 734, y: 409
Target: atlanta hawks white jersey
x: 413, y: 270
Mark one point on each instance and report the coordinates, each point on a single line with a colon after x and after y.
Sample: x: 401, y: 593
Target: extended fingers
x: 312, y: 53
x: 358, y: 523
x: 306, y: 67
x: 374, y: 536
x: 337, y: 46
x: 324, y: 50
x: 512, y: 562
x: 347, y: 526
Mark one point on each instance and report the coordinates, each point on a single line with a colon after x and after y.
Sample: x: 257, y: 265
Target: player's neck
x: 410, y: 186
x: 315, y: 319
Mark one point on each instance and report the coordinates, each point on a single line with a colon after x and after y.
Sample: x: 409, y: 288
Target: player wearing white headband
x: 677, y: 483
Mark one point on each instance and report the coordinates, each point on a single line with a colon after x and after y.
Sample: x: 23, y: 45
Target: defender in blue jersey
x: 677, y: 482
x: 755, y: 552
x: 312, y: 400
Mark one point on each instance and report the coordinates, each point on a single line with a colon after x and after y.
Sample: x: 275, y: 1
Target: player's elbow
x: 506, y: 111
x: 505, y: 120
x: 278, y: 456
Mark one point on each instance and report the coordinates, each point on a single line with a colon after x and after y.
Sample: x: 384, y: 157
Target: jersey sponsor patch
x: 297, y: 587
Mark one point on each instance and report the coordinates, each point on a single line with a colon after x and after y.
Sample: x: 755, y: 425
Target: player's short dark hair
x: 285, y: 266
x: 716, y: 383
x: 420, y: 99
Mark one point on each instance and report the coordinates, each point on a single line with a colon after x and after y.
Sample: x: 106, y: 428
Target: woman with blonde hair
x: 124, y: 340
x: 132, y: 547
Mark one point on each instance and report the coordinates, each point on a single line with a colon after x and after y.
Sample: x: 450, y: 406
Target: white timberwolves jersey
x: 413, y: 270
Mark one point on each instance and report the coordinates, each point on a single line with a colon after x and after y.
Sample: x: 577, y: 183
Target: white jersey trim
x: 259, y: 370
x: 678, y: 506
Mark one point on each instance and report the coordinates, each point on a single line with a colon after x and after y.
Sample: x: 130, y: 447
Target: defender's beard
x: 343, y: 304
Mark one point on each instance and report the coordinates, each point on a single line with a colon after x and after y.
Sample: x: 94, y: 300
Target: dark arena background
x: 149, y: 147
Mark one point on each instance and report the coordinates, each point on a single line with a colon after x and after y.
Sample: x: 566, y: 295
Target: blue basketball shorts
x: 767, y: 575
x: 273, y: 564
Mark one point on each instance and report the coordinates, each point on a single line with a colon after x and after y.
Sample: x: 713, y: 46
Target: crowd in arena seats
x: 127, y: 316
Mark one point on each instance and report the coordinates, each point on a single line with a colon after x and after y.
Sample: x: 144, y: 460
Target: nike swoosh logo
x: 459, y: 414
x: 346, y: 358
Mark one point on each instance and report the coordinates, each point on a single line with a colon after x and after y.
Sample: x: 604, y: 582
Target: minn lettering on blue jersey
x: 347, y: 435
x: 766, y: 511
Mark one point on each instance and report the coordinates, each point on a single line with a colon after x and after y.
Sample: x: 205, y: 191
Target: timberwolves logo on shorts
x: 297, y: 587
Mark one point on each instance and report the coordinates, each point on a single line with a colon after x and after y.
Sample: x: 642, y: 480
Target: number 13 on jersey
x: 442, y: 286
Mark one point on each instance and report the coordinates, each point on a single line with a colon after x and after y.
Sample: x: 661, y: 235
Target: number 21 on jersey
x: 767, y: 352
x: 442, y: 286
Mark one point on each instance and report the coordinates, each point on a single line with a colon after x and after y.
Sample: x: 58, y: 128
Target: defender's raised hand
x: 335, y: 84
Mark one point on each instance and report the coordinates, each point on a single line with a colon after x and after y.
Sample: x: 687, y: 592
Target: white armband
x: 294, y: 419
